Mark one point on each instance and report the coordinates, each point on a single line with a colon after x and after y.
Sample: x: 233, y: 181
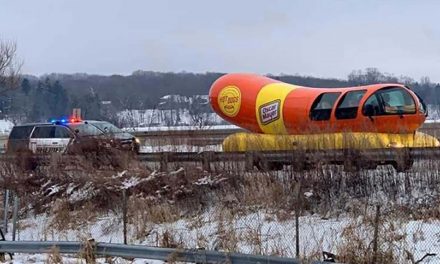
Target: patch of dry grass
x: 74, y: 192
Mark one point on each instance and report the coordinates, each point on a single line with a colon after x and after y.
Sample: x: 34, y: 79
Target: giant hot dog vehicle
x: 281, y: 116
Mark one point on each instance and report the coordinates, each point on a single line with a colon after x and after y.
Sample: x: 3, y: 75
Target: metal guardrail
x: 400, y: 158
x: 207, y: 136
x: 216, y: 136
x: 286, y: 156
x: 351, y: 157
x: 136, y: 251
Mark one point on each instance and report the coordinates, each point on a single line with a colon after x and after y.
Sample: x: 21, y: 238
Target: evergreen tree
x: 26, y: 86
x: 60, y: 100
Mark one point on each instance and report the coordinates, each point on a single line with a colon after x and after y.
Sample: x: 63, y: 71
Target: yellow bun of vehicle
x: 265, y: 142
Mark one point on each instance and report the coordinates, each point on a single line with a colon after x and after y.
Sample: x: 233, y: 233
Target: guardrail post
x: 164, y: 161
x: 6, y: 211
x: 15, y: 215
x: 206, y: 160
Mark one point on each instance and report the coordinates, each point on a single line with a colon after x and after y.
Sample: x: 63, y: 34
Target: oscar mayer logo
x: 270, y: 112
x: 229, y: 100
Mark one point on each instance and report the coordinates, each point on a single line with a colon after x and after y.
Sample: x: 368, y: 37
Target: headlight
x: 137, y: 140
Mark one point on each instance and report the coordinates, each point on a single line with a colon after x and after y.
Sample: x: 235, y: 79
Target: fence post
x: 124, y: 214
x: 164, y: 161
x: 6, y: 211
x: 376, y: 233
x: 297, y: 194
x: 249, y: 162
x: 15, y: 215
x: 206, y: 160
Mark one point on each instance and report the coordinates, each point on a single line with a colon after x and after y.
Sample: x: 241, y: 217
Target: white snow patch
x: 316, y: 234
x: 181, y: 169
x: 131, y: 182
x: 179, y: 148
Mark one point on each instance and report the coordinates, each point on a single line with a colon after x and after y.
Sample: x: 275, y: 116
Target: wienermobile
x: 281, y: 116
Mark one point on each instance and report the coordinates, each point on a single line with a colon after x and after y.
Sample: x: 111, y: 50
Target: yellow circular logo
x: 229, y: 100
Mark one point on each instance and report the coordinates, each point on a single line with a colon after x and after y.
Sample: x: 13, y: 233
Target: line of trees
x: 41, y: 98
x: 27, y: 98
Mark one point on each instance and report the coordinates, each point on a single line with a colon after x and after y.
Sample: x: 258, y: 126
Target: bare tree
x: 9, y: 66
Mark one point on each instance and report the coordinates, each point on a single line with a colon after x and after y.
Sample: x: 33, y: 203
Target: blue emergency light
x: 64, y: 120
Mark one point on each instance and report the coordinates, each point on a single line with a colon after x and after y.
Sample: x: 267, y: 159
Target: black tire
x: 275, y: 166
x: 402, y: 165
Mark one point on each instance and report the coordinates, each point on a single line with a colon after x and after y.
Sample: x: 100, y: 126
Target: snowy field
x: 256, y: 233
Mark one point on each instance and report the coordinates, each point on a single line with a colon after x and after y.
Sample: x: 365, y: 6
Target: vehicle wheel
x: 368, y: 165
x: 275, y: 165
x: 402, y: 165
x: 299, y: 163
x: 351, y: 166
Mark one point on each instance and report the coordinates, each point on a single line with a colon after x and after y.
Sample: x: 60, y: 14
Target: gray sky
x: 319, y: 38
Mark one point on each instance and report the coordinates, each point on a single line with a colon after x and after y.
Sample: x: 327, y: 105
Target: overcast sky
x: 319, y: 38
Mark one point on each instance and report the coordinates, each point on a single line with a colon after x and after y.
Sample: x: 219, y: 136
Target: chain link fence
x: 365, y: 216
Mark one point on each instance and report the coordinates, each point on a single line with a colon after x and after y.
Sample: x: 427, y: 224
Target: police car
x: 65, y: 134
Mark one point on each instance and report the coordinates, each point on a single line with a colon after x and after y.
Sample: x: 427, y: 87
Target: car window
x: 322, y: 106
x: 62, y: 132
x: 397, y: 101
x: 44, y: 132
x: 21, y: 132
x: 107, y: 127
x: 86, y: 129
x: 372, y: 106
x: 389, y: 101
x: 349, y: 104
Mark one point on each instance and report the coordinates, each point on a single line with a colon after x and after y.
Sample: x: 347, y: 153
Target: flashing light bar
x: 64, y: 120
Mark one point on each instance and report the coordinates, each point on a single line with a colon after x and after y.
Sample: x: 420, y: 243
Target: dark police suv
x: 67, y: 134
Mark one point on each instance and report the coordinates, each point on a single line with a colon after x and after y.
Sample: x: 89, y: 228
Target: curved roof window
x: 389, y: 101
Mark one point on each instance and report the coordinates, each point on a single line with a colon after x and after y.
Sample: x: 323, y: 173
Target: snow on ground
x: 432, y: 121
x: 5, y: 126
x: 179, y: 128
x: 254, y: 233
x: 171, y: 117
x: 179, y: 148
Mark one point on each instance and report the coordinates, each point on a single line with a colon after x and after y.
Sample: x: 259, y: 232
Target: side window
x: 389, y: 101
x: 21, y: 132
x: 44, y: 132
x: 372, y: 106
x: 86, y: 130
x: 322, y: 106
x: 349, y: 104
x: 61, y: 132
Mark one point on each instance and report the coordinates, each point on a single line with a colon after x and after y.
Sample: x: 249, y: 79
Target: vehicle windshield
x: 107, y: 128
x: 86, y: 130
x: 389, y: 101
